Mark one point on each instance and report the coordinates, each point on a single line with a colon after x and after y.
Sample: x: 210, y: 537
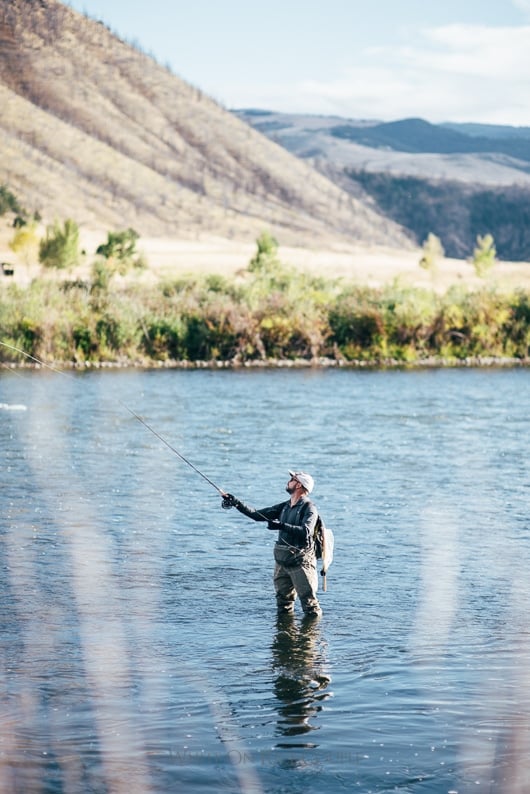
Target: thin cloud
x: 477, y: 51
x: 522, y: 5
x: 449, y: 73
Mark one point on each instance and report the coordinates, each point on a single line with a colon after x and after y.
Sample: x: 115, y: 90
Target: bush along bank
x: 270, y: 315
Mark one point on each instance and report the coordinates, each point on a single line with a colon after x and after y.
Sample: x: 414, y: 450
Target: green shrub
x: 484, y: 255
x: 164, y: 339
x: 517, y: 326
x: 433, y: 251
x: 357, y: 325
x: 9, y: 202
x: 60, y: 246
x: 25, y: 242
x: 120, y: 251
x: 84, y: 342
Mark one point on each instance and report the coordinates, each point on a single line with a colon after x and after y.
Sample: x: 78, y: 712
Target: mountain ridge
x: 455, y: 181
x: 412, y: 147
x: 419, y: 136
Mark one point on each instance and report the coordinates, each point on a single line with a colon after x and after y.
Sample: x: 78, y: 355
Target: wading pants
x: 290, y: 580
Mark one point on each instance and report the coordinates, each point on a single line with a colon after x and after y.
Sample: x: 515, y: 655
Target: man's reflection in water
x: 300, y: 683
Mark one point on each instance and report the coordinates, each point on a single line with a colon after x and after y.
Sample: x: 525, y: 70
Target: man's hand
x: 275, y: 523
x: 228, y: 501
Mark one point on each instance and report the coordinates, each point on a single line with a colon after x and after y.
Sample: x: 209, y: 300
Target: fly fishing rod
x: 172, y: 448
x: 143, y: 422
x: 130, y: 410
x: 226, y: 498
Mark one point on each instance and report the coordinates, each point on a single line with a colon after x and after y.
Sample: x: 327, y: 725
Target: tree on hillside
x: 484, y: 255
x: 60, y: 246
x: 433, y: 251
x: 9, y: 202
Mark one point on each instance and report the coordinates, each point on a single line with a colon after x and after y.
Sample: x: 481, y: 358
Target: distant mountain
x: 489, y: 130
x: 454, y: 180
x: 412, y: 147
x: 93, y: 129
x: 418, y: 136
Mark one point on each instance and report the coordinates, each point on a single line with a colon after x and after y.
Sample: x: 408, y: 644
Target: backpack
x: 324, y: 541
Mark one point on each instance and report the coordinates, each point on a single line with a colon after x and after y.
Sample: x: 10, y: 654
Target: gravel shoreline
x: 299, y: 363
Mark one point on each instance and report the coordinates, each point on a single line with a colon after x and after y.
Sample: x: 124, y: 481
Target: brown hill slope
x: 93, y: 129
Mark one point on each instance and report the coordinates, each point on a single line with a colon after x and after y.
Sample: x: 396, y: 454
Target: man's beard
x: 290, y: 490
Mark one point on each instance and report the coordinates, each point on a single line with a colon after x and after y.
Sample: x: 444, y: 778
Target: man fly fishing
x: 295, y: 570
x: 302, y: 536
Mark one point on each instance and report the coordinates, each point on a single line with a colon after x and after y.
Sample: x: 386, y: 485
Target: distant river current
x: 140, y: 650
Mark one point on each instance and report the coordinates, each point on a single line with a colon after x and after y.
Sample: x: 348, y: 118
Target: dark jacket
x: 298, y: 522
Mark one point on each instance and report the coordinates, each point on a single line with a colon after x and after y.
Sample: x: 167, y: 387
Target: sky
x: 440, y: 60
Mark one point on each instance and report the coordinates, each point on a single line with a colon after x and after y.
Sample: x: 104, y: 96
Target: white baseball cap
x: 304, y: 479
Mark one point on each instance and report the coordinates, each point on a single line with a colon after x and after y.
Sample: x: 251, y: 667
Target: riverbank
x: 268, y: 314
x: 433, y: 362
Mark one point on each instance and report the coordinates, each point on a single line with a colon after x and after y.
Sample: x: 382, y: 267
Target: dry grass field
x: 369, y: 265
x: 169, y: 257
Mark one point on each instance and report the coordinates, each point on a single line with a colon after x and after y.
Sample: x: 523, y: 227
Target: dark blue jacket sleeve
x: 265, y: 514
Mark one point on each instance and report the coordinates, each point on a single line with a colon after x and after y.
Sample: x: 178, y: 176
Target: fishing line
x: 126, y: 407
x: 10, y: 369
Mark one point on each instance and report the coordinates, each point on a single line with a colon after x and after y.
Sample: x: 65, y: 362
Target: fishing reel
x: 228, y: 501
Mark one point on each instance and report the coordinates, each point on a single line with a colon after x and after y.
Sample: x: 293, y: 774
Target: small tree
x: 433, y: 251
x: 121, y: 249
x: 484, y: 255
x: 25, y: 243
x: 266, y: 257
x: 60, y: 246
x: 9, y: 202
x: 117, y: 255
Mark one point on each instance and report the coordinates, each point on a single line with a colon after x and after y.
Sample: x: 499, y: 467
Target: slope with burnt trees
x: 96, y: 130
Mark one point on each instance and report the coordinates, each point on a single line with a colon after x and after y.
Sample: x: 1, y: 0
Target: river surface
x: 140, y: 649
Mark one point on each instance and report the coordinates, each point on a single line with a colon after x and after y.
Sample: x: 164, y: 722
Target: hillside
x: 456, y: 181
x: 93, y: 129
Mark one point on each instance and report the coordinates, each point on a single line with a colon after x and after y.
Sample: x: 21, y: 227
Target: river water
x: 140, y: 648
